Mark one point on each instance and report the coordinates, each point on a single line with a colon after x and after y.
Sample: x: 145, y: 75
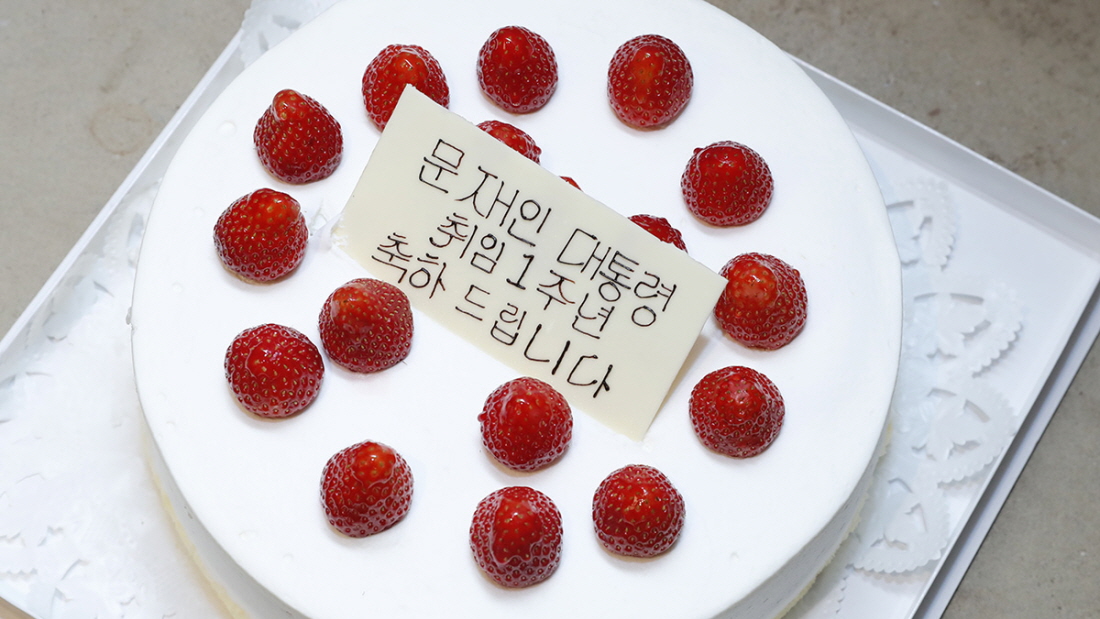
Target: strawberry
x: 526, y: 424
x: 660, y: 228
x: 764, y: 303
x: 273, y: 371
x: 727, y: 184
x: 516, y: 536
x: 649, y: 81
x: 261, y: 236
x: 637, y: 512
x: 366, y: 489
x: 569, y: 179
x: 391, y: 70
x: 297, y: 140
x: 736, y: 411
x: 514, y: 137
x: 517, y: 70
x: 366, y: 325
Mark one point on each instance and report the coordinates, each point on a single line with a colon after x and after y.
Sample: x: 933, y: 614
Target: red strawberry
x: 298, y: 141
x: 517, y: 70
x: 516, y: 138
x: 736, y: 411
x: 569, y: 179
x: 660, y: 228
x: 366, y: 325
x: 727, y: 184
x: 649, y: 81
x: 637, y: 512
x: 516, y: 536
x: 274, y: 371
x: 261, y: 236
x: 366, y: 489
x: 764, y: 303
x: 526, y: 424
x: 391, y: 70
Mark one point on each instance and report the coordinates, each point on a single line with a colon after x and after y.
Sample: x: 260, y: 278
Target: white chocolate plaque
x: 525, y: 266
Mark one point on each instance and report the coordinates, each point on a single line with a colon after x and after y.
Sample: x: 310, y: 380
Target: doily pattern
x: 267, y: 22
x: 948, y: 424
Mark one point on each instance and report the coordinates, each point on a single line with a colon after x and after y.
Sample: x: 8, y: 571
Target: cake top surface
x: 253, y: 484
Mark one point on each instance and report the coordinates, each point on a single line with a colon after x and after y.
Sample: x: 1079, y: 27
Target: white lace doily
x: 948, y: 424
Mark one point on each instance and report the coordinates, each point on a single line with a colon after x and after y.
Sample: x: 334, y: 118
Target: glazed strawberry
x: 261, y: 236
x: 764, y: 303
x: 727, y: 184
x: 526, y: 424
x: 517, y: 70
x: 516, y: 536
x: 637, y: 512
x: 366, y: 489
x: 649, y: 81
x: 660, y: 228
x: 273, y: 371
x: 366, y: 325
x: 298, y: 141
x: 517, y: 139
x: 736, y: 411
x: 391, y: 70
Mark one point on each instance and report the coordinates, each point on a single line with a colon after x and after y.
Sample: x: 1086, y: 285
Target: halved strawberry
x: 660, y: 228
x: 516, y: 536
x: 395, y: 67
x: 297, y: 139
x: 736, y: 411
x: 526, y: 424
x: 261, y: 236
x: 517, y: 70
x: 637, y: 511
x: 274, y: 371
x: 515, y: 138
x: 366, y: 489
x: 764, y: 303
x: 366, y: 325
x: 649, y: 81
x: 727, y: 184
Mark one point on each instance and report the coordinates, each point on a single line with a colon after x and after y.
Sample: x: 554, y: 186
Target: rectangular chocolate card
x: 525, y: 266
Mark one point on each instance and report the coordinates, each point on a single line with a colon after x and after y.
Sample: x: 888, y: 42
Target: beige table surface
x: 87, y: 86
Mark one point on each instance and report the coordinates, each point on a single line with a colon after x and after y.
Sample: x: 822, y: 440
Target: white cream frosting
x: 757, y: 531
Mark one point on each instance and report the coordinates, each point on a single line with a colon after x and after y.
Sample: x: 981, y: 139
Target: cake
x: 757, y: 531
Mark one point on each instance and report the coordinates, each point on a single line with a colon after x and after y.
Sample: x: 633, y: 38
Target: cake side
x: 240, y: 595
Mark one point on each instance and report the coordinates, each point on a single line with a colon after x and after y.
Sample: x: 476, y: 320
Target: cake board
x: 66, y: 310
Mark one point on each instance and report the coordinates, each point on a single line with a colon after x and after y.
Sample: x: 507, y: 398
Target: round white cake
x: 757, y: 531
